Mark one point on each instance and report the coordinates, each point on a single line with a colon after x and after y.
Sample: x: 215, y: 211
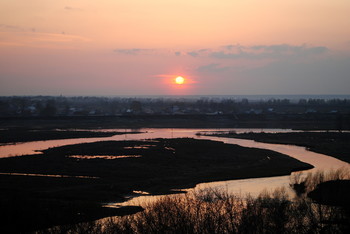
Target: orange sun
x: 179, y: 80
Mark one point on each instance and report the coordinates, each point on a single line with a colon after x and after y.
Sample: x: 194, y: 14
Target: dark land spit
x: 335, y: 144
x: 155, y: 166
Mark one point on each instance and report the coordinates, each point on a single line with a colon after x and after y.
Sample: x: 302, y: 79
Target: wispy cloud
x: 255, y: 52
x: 197, y: 53
x: 134, y: 51
x: 279, y: 51
x: 164, y: 75
x: 212, y: 68
x: 193, y: 53
x: 69, y: 8
x: 42, y: 40
x: 9, y: 27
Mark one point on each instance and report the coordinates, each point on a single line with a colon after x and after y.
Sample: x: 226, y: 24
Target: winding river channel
x: 244, y: 186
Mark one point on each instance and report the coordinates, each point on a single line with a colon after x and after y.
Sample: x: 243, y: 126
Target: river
x: 244, y: 186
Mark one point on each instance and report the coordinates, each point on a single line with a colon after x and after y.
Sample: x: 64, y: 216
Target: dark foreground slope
x: 155, y: 166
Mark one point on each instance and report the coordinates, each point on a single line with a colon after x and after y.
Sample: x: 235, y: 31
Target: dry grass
x: 214, y: 211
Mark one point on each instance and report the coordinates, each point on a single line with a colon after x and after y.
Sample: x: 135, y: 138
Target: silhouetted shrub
x: 216, y: 211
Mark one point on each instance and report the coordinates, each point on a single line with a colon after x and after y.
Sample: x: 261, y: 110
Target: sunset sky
x: 137, y: 47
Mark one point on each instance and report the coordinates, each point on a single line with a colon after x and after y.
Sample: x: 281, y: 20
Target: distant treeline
x: 16, y: 106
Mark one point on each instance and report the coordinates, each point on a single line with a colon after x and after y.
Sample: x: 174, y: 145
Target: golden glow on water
x: 109, y: 157
x: 47, y: 175
x: 244, y: 186
x: 140, y: 192
x: 139, y: 147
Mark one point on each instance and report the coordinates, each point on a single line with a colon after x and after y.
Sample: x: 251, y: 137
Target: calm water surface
x: 244, y: 186
x: 34, y: 147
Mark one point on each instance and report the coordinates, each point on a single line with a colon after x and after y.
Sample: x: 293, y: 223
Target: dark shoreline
x: 319, y: 121
x: 335, y: 144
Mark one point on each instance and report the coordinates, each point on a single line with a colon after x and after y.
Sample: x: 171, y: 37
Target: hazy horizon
x: 215, y: 96
x: 137, y: 48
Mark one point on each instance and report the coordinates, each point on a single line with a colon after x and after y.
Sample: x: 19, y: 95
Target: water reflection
x: 47, y: 175
x: 252, y: 186
x: 108, y: 157
x: 35, y: 147
x: 139, y: 147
